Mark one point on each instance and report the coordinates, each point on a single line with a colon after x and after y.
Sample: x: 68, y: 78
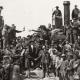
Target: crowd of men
x: 40, y: 50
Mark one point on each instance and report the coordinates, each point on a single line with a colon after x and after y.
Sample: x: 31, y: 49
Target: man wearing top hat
x: 58, y: 17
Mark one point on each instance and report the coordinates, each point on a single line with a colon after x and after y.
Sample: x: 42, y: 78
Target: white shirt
x: 67, y: 47
x: 4, y: 32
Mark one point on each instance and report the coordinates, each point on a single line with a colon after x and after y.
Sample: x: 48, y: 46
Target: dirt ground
x: 37, y: 75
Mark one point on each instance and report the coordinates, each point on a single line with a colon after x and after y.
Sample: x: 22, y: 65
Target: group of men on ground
x: 61, y: 59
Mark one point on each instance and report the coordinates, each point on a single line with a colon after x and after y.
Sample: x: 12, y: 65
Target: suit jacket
x: 75, y: 13
x: 32, y: 51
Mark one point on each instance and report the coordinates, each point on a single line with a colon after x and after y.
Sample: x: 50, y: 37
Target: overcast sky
x: 31, y: 13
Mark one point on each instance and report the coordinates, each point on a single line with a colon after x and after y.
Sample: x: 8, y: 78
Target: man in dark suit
x: 32, y: 49
x: 75, y: 13
x: 32, y: 52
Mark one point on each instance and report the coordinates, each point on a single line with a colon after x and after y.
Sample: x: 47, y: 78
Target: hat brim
x: 57, y: 6
x: 1, y: 7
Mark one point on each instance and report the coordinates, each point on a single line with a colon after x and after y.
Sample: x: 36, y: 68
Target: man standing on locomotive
x: 58, y: 17
x: 75, y: 13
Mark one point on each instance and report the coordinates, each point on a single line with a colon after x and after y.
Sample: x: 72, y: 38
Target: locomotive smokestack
x: 66, y: 12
